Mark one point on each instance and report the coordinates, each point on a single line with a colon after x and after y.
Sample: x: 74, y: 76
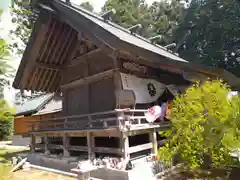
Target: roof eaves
x: 48, y: 98
x: 121, y: 28
x: 102, y: 28
x: 23, y: 63
x: 38, y: 107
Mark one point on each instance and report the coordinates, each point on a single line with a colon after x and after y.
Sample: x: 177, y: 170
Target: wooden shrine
x: 108, y: 76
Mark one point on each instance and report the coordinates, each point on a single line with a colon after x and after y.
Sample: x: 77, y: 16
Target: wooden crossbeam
x: 77, y: 60
x: 48, y: 66
x: 89, y: 79
x: 140, y: 148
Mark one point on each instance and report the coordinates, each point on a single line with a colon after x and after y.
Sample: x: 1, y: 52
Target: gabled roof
x: 42, y: 104
x: 47, y: 38
x: 104, y: 34
x: 108, y: 31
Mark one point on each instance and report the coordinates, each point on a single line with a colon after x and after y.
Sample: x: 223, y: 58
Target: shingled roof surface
x: 34, y: 105
x: 115, y: 30
x: 106, y: 35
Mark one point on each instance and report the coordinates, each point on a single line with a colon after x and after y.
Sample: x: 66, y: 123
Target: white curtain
x: 140, y: 88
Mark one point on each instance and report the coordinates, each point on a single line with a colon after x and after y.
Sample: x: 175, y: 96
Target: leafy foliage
x: 214, y: 40
x: 87, y: 5
x: 5, y: 68
x: 205, y: 124
x: 5, y: 72
x: 166, y: 17
x: 129, y: 13
x: 160, y: 18
x: 5, y: 119
x: 24, y: 19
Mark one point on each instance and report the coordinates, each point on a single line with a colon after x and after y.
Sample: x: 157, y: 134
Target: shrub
x: 205, y: 123
x: 5, y: 120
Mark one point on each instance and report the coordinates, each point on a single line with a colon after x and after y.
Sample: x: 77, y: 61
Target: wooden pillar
x: 33, y: 142
x: 153, y: 140
x: 66, y: 141
x: 124, y: 145
x: 46, y: 145
x: 91, y: 146
x: 118, y: 88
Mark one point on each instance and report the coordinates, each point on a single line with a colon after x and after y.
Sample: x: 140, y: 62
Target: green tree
x: 160, y: 18
x: 205, y: 124
x: 5, y: 110
x: 6, y: 71
x: 166, y: 17
x: 5, y: 68
x: 24, y: 18
x: 6, y: 119
x: 214, y: 39
x: 129, y: 13
x: 87, y: 5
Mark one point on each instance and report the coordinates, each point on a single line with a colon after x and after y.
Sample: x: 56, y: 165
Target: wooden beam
x: 96, y: 149
x: 141, y: 147
x: 80, y: 27
x: 46, y: 145
x: 78, y: 148
x: 39, y: 146
x: 57, y: 42
x: 153, y: 140
x: 137, y: 132
x: 89, y: 79
x: 40, y: 30
x: 164, y: 65
x: 72, y: 47
x: 91, y: 146
x: 66, y: 143
x: 55, y: 146
x: 46, y: 53
x: 33, y: 143
x: 146, y: 126
x: 48, y: 66
x: 79, y: 59
x: 108, y: 150
x: 124, y: 145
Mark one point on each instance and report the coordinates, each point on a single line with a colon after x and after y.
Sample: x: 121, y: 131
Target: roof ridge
x: 115, y: 25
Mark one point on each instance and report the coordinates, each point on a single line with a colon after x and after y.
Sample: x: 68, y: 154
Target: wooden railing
x: 118, y: 118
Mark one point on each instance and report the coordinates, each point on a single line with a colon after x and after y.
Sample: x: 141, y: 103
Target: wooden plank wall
x: 91, y: 97
x: 22, y: 124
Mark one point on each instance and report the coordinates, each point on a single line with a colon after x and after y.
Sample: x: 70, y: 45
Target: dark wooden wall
x: 102, y: 95
x: 96, y: 63
x: 90, y: 97
x: 76, y: 100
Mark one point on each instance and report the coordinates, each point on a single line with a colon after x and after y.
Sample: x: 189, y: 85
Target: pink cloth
x: 153, y: 114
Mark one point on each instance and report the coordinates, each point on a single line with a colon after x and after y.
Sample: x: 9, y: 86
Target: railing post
x: 65, y: 123
x: 91, y: 146
x: 33, y: 142
x: 66, y: 145
x: 124, y: 145
x: 153, y: 140
x: 46, y: 145
x: 120, y: 119
x: 139, y: 120
x: 90, y: 121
